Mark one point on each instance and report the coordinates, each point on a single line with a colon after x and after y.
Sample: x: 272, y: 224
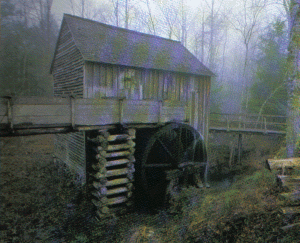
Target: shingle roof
x: 104, y: 43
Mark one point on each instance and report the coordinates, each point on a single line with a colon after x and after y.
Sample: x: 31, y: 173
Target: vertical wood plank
x: 173, y: 95
x: 115, y: 74
x: 150, y: 84
x: 137, y: 84
x: 160, y: 85
x: 96, y: 81
x: 165, y: 86
x: 157, y: 85
x: 109, y: 81
x: 146, y: 83
x: 177, y: 86
x: 89, y: 71
x: 102, y: 80
x: 140, y: 85
x: 186, y: 88
x: 85, y: 91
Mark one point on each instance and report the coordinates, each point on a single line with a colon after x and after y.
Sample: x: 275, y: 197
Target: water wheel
x: 174, y: 157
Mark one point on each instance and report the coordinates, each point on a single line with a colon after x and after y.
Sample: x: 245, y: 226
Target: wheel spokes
x: 175, y: 147
x: 166, y: 149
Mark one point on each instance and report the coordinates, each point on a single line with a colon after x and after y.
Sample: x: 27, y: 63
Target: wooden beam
x: 281, y: 163
x: 82, y: 114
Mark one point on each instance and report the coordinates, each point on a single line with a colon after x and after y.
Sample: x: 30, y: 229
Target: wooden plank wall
x: 68, y: 66
x: 103, y: 80
x: 70, y: 149
x: 3, y: 111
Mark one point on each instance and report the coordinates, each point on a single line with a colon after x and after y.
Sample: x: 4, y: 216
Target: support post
x: 240, y: 148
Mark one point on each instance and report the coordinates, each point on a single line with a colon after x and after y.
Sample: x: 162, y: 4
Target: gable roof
x: 104, y: 43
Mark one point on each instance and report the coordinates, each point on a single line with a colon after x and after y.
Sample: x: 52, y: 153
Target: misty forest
x: 253, y: 191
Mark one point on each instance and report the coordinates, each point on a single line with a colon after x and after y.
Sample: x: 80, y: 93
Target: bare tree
x: 246, y: 23
x: 151, y: 18
x: 168, y: 17
x: 116, y: 11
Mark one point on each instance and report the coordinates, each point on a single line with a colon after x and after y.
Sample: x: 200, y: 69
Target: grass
x: 35, y: 199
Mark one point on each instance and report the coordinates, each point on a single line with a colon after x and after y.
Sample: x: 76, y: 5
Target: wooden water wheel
x: 175, y: 157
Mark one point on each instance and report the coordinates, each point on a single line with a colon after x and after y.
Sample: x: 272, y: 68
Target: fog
x: 231, y: 37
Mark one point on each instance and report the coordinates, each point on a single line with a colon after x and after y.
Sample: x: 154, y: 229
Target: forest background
x: 243, y: 42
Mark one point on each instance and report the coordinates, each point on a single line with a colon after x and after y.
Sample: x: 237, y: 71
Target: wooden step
x: 288, y: 178
x: 291, y: 196
x: 290, y: 227
x: 289, y: 182
x: 291, y: 210
x: 282, y: 163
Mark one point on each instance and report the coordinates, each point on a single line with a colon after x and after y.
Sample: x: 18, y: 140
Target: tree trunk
x: 203, y: 33
x: 293, y: 123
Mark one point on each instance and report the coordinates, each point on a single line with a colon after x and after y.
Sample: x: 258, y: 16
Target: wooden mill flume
x: 130, y: 113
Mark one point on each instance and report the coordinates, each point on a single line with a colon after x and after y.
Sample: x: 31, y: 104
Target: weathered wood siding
x: 70, y: 149
x: 68, y: 80
x: 67, y: 67
x: 102, y: 80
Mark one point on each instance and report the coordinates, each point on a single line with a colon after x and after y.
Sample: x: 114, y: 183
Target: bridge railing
x: 243, y: 122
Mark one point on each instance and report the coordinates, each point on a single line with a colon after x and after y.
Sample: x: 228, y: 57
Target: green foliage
x: 216, y: 96
x: 220, y: 209
x: 269, y: 92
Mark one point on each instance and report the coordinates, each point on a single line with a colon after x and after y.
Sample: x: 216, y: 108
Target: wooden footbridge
x: 247, y: 123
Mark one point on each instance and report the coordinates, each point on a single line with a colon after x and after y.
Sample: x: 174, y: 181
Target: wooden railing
x: 247, y: 123
x: 33, y: 115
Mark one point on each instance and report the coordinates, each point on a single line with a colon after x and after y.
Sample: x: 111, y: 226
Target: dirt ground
x: 38, y: 198
x: 33, y: 194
